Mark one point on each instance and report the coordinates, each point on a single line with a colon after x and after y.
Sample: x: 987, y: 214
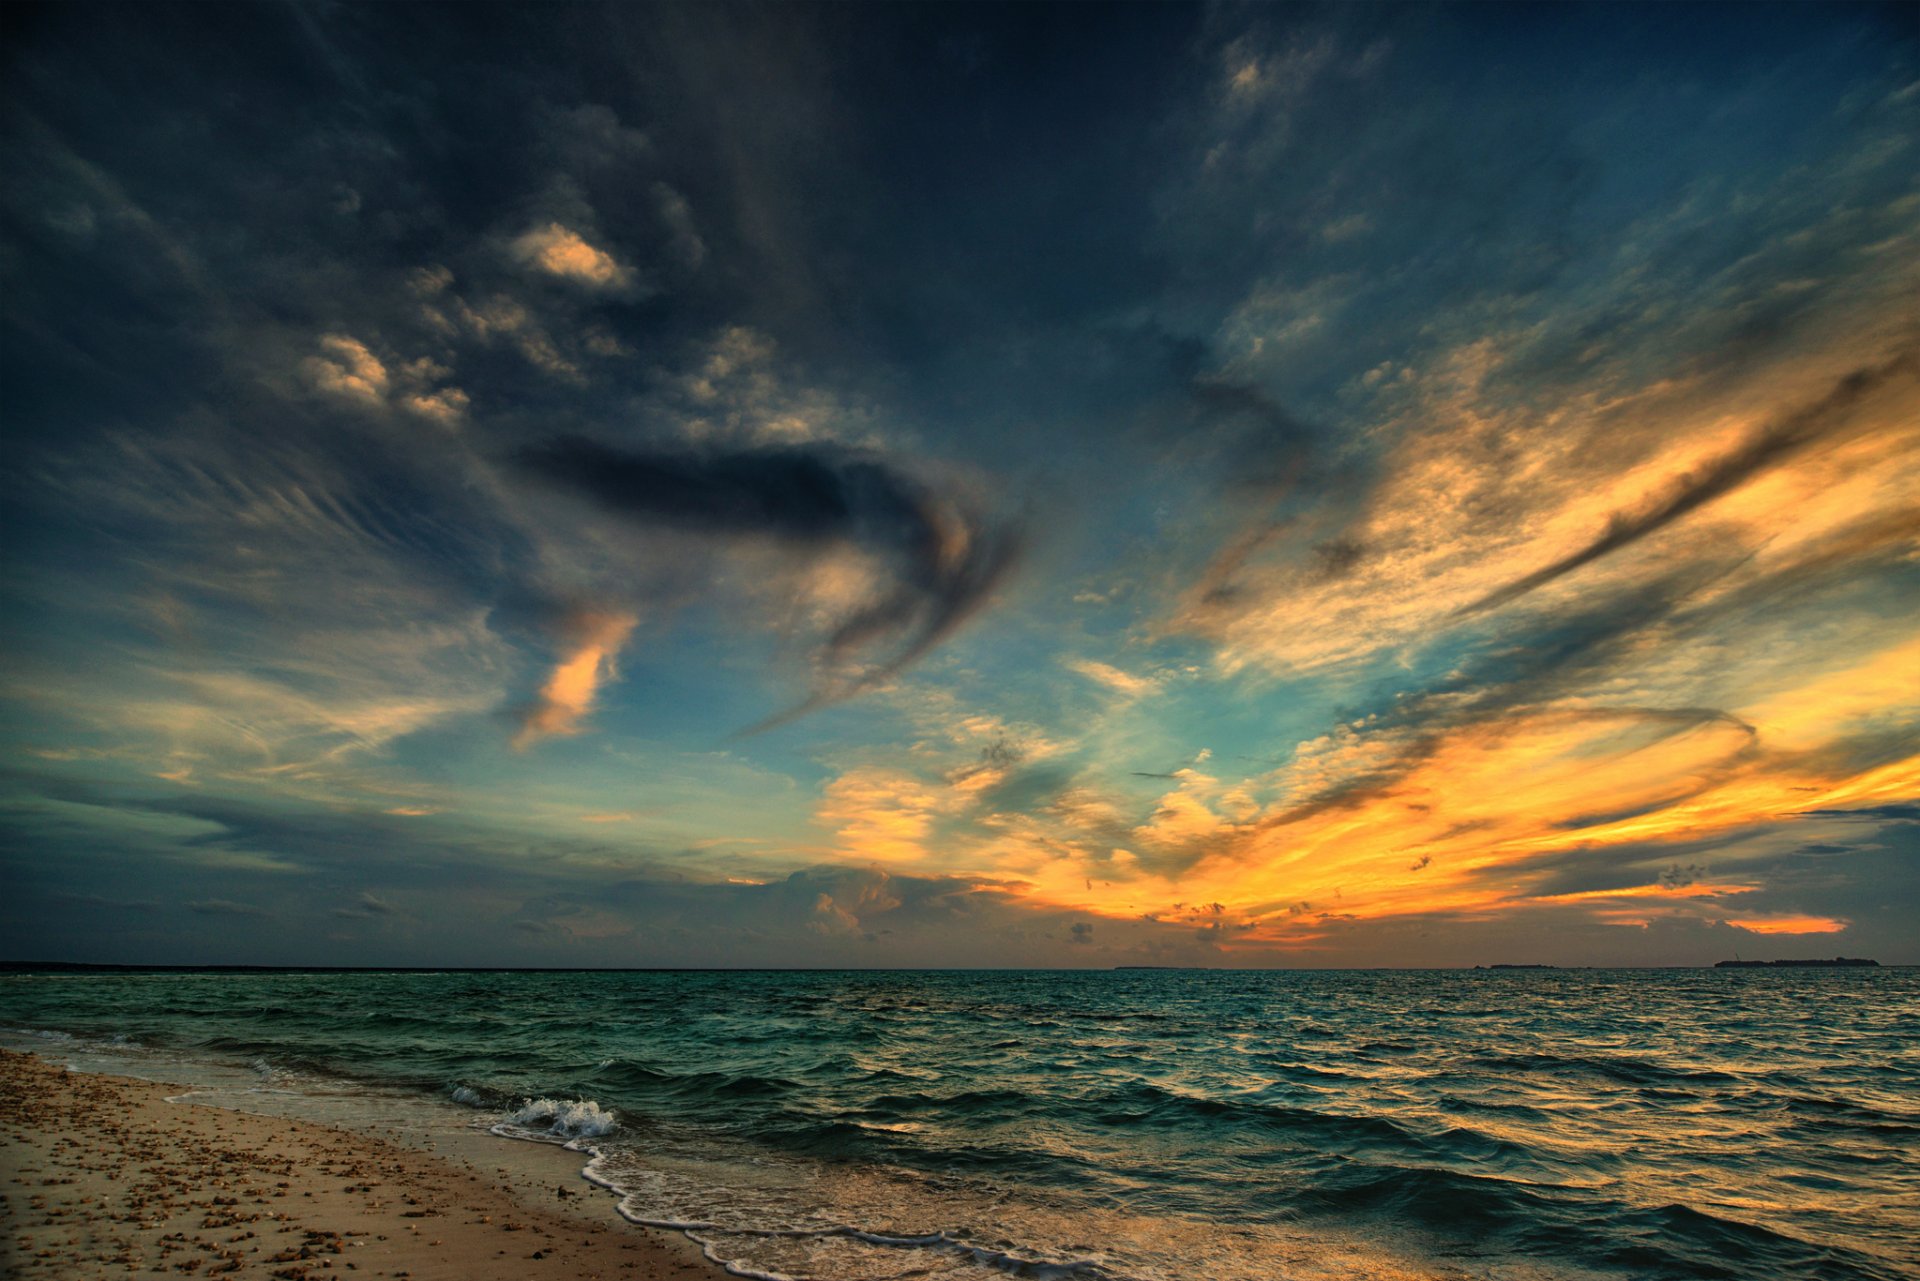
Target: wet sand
x: 101, y: 1176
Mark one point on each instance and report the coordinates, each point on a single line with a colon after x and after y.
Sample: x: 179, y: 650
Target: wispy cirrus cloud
x: 1772, y: 445
x: 1114, y: 678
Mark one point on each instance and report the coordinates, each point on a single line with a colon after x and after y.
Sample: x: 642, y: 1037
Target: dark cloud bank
x: 945, y: 559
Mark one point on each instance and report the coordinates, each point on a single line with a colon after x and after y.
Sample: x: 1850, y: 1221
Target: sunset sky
x: 947, y: 485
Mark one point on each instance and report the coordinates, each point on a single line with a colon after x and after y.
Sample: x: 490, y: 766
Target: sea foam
x: 562, y: 1118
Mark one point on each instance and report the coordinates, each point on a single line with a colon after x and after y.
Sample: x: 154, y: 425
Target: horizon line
x: 23, y: 967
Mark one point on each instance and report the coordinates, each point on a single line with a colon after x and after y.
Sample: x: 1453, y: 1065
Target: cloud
x: 366, y: 907
x: 942, y: 559
x: 1771, y: 446
x: 1113, y: 677
x: 884, y: 816
x: 370, y: 691
x: 1903, y: 811
x: 561, y: 251
x: 685, y: 245
x: 1678, y: 877
x: 568, y: 695
x: 736, y: 388
x: 1459, y: 795
x: 830, y: 918
x: 446, y: 406
x: 1789, y: 925
x: 1538, y: 389
x: 347, y: 368
x: 224, y: 907
x: 102, y: 902
x: 594, y: 136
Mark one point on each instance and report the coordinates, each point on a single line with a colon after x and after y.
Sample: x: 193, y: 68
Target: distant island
x: 1770, y: 965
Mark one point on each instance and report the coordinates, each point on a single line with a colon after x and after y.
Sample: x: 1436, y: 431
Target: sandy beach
x: 104, y: 1177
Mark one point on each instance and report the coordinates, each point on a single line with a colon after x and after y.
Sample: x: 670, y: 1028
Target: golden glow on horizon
x: 1370, y: 823
x: 1461, y: 831
x: 1789, y: 925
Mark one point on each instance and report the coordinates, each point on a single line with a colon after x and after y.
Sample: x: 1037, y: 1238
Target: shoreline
x: 104, y: 1175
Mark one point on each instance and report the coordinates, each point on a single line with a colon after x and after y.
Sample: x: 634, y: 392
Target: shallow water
x: 1151, y: 1125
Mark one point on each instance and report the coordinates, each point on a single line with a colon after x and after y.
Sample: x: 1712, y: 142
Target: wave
x: 1623, y: 1068
x: 559, y: 1118
x: 1678, y: 1241
x: 733, y: 1246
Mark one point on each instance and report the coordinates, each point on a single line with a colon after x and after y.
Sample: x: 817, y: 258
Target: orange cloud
x: 882, y: 815
x: 1458, y: 821
x: 348, y: 368
x: 1114, y: 678
x: 1789, y: 925
x: 1576, y: 475
x: 561, y: 251
x: 569, y: 693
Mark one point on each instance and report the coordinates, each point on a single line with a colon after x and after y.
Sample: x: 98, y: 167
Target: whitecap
x: 562, y: 1118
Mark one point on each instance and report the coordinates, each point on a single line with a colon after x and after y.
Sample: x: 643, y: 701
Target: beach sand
x: 101, y: 1176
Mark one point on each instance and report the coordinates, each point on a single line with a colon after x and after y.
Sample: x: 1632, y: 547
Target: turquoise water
x: 1151, y: 1125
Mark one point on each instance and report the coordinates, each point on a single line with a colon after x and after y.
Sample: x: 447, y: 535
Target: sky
x: 857, y: 485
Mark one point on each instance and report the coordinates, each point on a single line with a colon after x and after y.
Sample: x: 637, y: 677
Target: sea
x: 1127, y: 1125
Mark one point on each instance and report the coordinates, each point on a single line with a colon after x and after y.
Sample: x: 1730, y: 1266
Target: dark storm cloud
x: 1590, y: 869
x: 945, y: 559
x: 1775, y: 444
x: 1901, y: 812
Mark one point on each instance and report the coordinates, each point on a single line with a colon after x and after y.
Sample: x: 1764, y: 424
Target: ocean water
x: 1136, y: 1125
